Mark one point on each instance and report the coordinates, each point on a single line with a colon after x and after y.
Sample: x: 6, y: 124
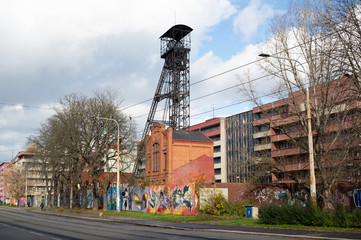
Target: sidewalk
x: 297, y: 234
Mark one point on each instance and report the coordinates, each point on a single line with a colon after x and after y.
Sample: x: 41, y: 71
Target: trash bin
x: 251, y: 211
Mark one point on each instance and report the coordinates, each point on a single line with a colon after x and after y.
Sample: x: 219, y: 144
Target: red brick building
x: 173, y: 156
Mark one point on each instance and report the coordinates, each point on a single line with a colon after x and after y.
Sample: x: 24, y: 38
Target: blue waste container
x: 248, y: 211
x: 251, y: 211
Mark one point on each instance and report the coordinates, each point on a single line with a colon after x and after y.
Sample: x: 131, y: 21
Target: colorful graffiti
x: 139, y: 196
x: 125, y: 199
x: 268, y: 195
x: 172, y: 199
x: 112, y: 198
x: 89, y: 199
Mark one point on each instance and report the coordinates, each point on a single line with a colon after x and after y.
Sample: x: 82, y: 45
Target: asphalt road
x: 20, y: 224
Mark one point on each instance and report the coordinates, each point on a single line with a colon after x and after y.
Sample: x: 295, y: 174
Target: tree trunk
x: 71, y: 194
x: 55, y: 194
x: 95, y: 198
x: 105, y: 201
x: 328, y: 199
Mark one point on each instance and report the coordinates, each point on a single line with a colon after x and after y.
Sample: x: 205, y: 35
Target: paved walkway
x: 300, y: 234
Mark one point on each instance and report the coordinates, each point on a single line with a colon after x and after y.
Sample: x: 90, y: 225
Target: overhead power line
x: 233, y: 69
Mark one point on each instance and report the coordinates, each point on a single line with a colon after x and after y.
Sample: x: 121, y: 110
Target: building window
x: 156, y: 157
x: 149, y: 162
x: 217, y: 149
x: 165, y: 161
x: 217, y: 160
x: 210, y: 128
x: 215, y: 138
x: 217, y: 171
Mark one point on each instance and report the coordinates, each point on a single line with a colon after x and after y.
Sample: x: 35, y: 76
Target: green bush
x: 308, y: 216
x: 218, y: 205
x: 354, y: 219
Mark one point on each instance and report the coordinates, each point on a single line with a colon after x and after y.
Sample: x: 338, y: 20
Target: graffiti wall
x: 139, y: 199
x: 174, y: 199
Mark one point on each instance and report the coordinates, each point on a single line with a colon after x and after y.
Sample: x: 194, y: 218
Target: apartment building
x: 215, y: 129
x: 282, y: 136
x: 3, y: 168
x: 239, y: 152
x: 37, y: 179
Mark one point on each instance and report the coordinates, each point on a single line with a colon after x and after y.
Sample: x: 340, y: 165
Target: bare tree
x: 301, y: 50
x: 76, y: 141
x: 342, y: 20
x: 15, y: 182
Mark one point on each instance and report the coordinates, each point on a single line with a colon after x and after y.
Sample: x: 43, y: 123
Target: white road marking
x: 37, y: 233
x: 19, y: 229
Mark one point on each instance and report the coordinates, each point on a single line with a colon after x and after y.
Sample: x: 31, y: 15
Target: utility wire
x: 238, y: 67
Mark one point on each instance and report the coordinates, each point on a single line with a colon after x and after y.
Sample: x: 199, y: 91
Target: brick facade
x: 167, y: 150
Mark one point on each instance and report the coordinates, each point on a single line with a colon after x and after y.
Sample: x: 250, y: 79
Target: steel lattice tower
x: 173, y: 85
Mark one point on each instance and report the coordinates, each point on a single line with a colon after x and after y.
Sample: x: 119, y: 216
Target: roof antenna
x: 175, y: 17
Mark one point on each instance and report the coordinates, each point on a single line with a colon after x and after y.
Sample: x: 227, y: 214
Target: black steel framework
x: 173, y: 85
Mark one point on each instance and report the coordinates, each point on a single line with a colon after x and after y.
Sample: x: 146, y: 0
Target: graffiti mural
x: 139, y: 197
x: 125, y: 199
x: 172, y: 199
x: 112, y: 198
x: 89, y: 199
x: 269, y: 195
x: 266, y: 195
x: 357, y: 197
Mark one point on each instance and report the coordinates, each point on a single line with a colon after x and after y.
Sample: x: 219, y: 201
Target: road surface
x: 20, y: 224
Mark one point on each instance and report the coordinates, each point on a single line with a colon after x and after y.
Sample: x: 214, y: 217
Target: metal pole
x: 118, y: 162
x: 310, y: 150
x: 26, y: 189
x: 310, y: 138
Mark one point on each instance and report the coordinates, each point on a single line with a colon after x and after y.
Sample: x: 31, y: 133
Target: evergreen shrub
x: 280, y: 214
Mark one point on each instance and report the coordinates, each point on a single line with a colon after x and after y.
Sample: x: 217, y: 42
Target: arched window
x: 156, y: 157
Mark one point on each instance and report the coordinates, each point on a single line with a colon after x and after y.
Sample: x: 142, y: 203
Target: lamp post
x: 26, y: 189
x: 310, y: 139
x: 118, y: 160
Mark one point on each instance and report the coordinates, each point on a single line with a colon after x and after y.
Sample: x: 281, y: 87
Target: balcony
x: 260, y: 147
x: 217, y: 143
x: 262, y: 134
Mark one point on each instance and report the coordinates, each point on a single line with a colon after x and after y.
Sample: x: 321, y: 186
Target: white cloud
x: 249, y: 19
x: 52, y: 48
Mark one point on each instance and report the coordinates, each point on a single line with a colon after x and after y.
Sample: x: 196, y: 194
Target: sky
x: 53, y: 48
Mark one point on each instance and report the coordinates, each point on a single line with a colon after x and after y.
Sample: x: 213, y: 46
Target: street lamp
x: 310, y: 139
x: 118, y: 160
